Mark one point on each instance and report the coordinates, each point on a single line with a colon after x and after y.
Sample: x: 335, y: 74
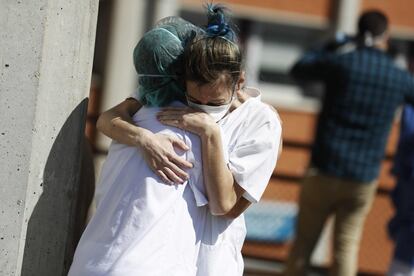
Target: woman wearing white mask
x: 239, y: 144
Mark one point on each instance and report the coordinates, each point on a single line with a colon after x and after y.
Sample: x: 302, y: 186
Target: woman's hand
x: 189, y: 119
x: 159, y: 154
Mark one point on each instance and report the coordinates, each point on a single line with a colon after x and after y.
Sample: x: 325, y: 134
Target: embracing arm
x: 225, y: 193
x: 157, y: 149
x: 242, y: 203
x: 222, y: 190
x: 117, y: 123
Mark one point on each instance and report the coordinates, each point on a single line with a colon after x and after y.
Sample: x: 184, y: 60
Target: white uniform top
x: 144, y: 227
x: 252, y: 135
x: 141, y: 225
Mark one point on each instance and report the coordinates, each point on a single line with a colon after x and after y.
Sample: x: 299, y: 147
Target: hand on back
x: 160, y: 156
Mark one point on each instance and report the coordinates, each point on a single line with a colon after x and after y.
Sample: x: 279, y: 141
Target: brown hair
x: 214, y: 54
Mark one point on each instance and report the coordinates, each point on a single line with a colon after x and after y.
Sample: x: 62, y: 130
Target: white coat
x: 141, y: 225
x: 145, y: 227
x: 251, y: 135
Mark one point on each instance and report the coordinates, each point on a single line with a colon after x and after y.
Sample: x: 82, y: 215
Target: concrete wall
x: 45, y: 68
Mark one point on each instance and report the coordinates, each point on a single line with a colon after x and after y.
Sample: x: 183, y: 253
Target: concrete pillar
x: 129, y: 20
x: 347, y: 16
x: 45, y: 70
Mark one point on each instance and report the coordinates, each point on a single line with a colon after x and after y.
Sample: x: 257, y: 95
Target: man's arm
x: 314, y: 65
x: 317, y: 64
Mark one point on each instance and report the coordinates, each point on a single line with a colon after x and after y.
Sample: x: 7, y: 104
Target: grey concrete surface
x: 46, y: 50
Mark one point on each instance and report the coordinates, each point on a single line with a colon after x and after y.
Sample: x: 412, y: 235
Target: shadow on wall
x: 59, y: 216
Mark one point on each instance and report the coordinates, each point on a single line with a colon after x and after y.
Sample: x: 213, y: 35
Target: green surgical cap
x: 158, y: 60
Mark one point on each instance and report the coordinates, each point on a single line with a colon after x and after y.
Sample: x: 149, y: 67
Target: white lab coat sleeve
x: 134, y: 95
x: 254, y: 156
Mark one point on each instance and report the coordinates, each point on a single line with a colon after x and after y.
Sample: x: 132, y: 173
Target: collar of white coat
x: 253, y: 92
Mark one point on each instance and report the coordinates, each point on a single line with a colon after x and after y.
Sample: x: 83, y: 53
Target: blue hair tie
x: 218, y: 29
x: 218, y: 25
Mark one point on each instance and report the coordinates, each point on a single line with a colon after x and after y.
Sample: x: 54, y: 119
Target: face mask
x: 217, y: 112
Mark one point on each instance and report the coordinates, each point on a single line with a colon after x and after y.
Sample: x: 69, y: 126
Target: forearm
x: 310, y: 66
x: 117, y: 124
x: 241, y: 205
x: 156, y: 148
x: 121, y: 129
x: 221, y: 189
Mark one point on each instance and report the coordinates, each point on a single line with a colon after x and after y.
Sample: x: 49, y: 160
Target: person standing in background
x: 401, y: 226
x: 363, y: 90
